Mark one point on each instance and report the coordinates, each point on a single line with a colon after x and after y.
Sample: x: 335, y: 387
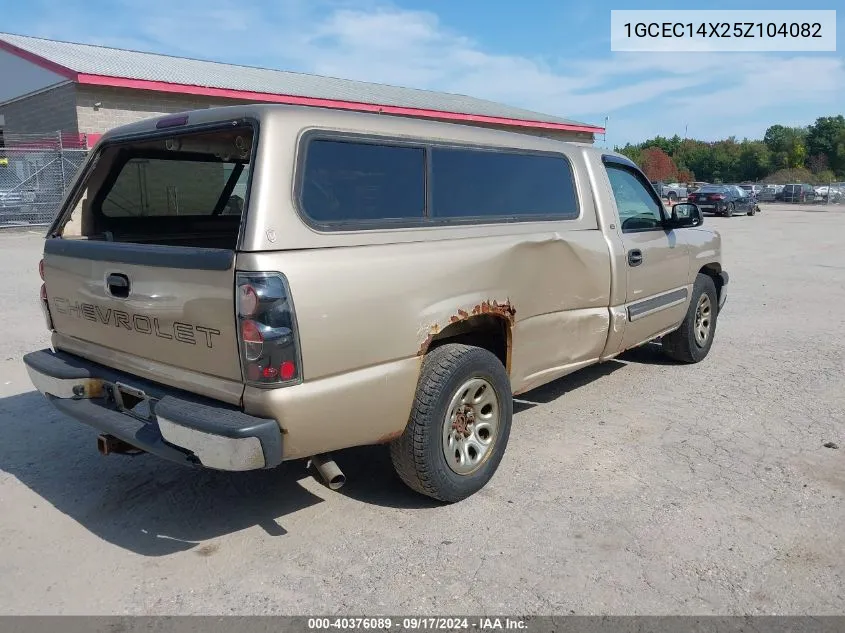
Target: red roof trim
x: 64, y: 71
x: 161, y: 86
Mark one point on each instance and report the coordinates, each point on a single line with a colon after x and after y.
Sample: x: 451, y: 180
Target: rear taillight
x: 252, y: 340
x: 247, y: 300
x: 717, y: 196
x: 41, y: 269
x: 267, y: 330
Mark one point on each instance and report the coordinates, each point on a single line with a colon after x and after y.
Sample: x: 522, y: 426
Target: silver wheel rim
x: 703, y: 320
x: 471, y: 426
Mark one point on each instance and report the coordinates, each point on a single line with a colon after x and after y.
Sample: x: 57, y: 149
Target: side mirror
x: 685, y: 214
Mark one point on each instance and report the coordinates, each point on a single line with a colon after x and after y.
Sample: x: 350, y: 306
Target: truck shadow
x: 648, y: 354
x: 558, y: 388
x: 142, y: 504
x: 154, y: 508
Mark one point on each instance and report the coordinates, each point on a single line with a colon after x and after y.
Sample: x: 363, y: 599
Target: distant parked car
x: 769, y: 193
x: 801, y: 192
x: 672, y: 192
x: 828, y: 194
x: 724, y: 200
x: 752, y: 188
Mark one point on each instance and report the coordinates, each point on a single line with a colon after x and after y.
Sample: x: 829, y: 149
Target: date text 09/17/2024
x: 418, y: 624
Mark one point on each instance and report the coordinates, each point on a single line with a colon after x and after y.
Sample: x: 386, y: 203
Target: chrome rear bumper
x: 172, y: 424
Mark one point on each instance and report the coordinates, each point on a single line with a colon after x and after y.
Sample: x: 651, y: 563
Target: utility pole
x: 606, y: 119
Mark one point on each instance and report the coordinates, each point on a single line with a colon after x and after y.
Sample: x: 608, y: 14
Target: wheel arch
x: 491, y: 331
x: 714, y: 271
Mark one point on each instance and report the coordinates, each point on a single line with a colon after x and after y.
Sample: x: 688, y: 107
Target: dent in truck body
x: 550, y: 287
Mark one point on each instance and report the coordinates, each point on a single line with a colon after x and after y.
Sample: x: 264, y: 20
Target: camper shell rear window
x: 189, y: 189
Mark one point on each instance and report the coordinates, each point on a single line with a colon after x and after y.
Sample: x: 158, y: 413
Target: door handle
x: 635, y: 257
x: 118, y: 285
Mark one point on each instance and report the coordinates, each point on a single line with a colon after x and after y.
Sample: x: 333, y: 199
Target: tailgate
x: 168, y: 304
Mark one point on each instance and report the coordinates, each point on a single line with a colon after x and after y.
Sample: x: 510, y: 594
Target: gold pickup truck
x: 235, y: 287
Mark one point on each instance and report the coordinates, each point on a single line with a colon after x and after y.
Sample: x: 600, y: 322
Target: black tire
x: 683, y: 345
x: 729, y: 210
x: 671, y: 196
x: 753, y: 210
x: 418, y: 454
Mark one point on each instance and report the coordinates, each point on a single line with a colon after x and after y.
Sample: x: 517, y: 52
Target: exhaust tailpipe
x: 331, y: 474
x: 108, y: 444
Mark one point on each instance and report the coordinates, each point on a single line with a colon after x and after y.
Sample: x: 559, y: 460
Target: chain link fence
x: 35, y: 171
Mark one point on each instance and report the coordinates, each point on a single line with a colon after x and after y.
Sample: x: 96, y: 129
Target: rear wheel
x: 672, y: 197
x: 459, y: 425
x: 729, y: 210
x: 691, y: 342
x: 752, y: 210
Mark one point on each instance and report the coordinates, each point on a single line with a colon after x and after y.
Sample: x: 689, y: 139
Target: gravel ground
x: 634, y: 487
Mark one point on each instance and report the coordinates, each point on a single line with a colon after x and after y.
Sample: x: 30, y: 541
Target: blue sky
x: 545, y: 55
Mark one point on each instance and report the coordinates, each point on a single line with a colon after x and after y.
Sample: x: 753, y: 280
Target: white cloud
x: 643, y: 93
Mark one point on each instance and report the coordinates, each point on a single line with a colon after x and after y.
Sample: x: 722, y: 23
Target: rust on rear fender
x: 387, y: 439
x: 494, y: 308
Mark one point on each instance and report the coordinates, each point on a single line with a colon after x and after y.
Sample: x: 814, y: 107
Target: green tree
x: 631, y: 151
x: 755, y: 160
x: 726, y: 158
x: 776, y: 138
x: 825, y: 137
x: 797, y: 156
x: 783, y: 150
x: 787, y: 145
x: 697, y: 157
x: 817, y: 163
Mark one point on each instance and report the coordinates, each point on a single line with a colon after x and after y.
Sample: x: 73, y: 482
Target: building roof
x: 99, y: 65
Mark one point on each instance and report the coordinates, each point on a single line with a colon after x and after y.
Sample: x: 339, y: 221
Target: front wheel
x: 691, y: 342
x: 672, y: 197
x: 459, y: 425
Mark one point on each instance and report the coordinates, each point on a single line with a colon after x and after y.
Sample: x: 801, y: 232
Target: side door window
x: 638, y: 208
